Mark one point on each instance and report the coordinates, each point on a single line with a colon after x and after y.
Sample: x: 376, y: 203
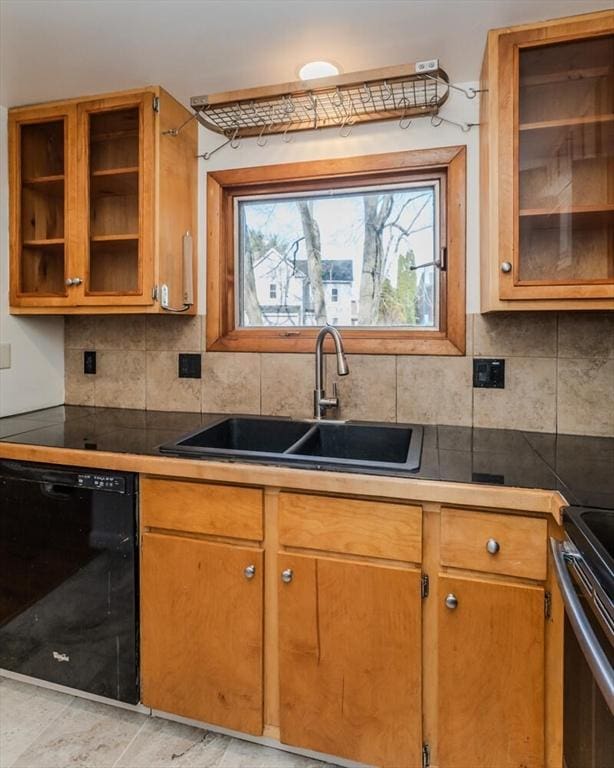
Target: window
x: 378, y: 245
x: 381, y: 238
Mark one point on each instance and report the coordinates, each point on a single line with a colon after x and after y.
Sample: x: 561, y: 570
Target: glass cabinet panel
x: 42, y: 208
x: 566, y: 162
x: 114, y: 197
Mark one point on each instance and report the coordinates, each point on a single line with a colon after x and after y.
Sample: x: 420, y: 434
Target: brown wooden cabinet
x: 547, y: 165
x: 201, y: 612
x: 368, y: 628
x: 350, y: 659
x: 101, y: 197
x: 491, y: 674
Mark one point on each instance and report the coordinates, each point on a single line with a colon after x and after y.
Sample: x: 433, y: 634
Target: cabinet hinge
x: 424, y: 585
x: 426, y: 756
x: 547, y: 604
x: 156, y: 104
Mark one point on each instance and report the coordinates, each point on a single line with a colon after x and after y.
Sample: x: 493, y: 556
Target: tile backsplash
x: 559, y: 374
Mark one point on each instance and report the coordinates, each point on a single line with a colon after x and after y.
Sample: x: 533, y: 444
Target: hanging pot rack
x: 390, y: 93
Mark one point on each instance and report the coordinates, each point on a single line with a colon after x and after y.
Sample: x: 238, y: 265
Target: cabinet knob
x: 76, y: 281
x: 506, y: 267
x: 69, y: 281
x: 249, y: 571
x: 492, y: 546
x: 286, y: 575
x: 451, y: 601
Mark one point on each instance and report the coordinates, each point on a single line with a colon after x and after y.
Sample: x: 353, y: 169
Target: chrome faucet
x: 320, y: 401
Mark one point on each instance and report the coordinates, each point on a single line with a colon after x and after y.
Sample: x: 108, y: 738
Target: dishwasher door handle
x: 593, y: 652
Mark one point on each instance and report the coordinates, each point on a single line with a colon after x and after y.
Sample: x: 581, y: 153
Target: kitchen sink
x: 350, y: 445
x: 252, y: 435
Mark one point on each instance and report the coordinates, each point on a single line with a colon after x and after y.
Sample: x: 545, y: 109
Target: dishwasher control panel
x: 102, y: 483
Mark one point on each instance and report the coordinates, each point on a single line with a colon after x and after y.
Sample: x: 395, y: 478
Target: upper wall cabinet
x: 547, y: 165
x: 102, y: 205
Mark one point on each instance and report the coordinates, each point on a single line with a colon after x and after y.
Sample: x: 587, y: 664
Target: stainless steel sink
x: 351, y: 445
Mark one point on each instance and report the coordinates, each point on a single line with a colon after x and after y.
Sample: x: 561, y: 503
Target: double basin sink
x: 346, y: 445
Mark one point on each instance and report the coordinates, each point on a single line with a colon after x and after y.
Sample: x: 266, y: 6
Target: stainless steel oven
x: 584, y: 564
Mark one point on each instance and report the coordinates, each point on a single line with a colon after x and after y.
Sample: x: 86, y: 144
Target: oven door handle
x: 587, y: 639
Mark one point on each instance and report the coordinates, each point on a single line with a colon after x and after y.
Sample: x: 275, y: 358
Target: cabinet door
x: 42, y: 196
x: 491, y: 674
x: 560, y: 142
x: 350, y: 659
x: 201, y: 630
x: 116, y: 199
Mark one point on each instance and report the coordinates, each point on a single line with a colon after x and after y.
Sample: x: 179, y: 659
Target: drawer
x: 219, y: 510
x: 521, y: 543
x: 351, y: 526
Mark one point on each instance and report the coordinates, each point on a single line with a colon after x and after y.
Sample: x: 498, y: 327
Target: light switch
x: 5, y: 356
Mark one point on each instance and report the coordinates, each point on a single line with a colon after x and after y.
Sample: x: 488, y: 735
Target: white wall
x: 36, y: 376
x: 370, y: 139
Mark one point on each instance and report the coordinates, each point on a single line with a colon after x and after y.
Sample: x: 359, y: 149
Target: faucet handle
x: 335, y: 391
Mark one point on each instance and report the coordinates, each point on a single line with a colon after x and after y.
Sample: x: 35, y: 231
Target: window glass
x: 368, y: 252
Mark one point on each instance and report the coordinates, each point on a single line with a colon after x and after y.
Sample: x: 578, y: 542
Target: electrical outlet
x: 489, y: 374
x: 189, y: 366
x: 89, y: 362
x: 5, y: 356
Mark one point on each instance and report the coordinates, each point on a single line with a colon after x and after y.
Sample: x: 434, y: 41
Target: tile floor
x: 40, y: 728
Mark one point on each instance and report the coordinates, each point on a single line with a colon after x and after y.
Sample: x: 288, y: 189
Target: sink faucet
x: 320, y: 401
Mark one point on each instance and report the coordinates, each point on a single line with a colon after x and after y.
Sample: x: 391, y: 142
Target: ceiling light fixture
x: 315, y: 69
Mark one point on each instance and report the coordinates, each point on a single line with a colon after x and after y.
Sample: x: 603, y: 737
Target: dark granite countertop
x: 581, y: 468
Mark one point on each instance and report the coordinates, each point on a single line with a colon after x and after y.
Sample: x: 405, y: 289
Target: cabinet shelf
x: 116, y: 171
x: 112, y: 238
x: 573, y: 209
x: 566, y: 122
x: 44, y: 179
x: 565, y: 76
x: 42, y: 243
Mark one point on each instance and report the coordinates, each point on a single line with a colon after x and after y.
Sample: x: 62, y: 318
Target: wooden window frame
x: 446, y: 163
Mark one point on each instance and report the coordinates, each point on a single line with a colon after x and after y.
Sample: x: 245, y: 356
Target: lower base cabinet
x: 491, y: 674
x: 201, y: 638
x: 334, y: 641
x: 350, y: 659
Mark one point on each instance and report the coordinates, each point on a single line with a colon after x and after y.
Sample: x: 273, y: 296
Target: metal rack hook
x: 365, y: 90
x: 437, y: 120
x: 468, y: 93
x: 405, y: 121
x: 262, y: 140
x: 348, y: 122
x: 284, y: 137
x: 337, y: 98
x: 232, y: 141
x: 288, y: 104
x: 313, y: 102
x: 387, y: 91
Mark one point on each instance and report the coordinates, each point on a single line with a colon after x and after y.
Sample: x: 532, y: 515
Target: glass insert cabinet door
x: 116, y: 179
x: 42, y: 233
x: 564, y: 170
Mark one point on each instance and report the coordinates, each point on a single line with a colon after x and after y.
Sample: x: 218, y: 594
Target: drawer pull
x: 492, y: 546
x: 249, y: 571
x: 286, y: 575
x: 451, y: 601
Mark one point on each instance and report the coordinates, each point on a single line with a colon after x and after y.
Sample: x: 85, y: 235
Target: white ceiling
x: 62, y: 48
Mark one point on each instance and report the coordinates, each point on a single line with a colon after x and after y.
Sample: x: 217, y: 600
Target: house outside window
x: 334, y: 295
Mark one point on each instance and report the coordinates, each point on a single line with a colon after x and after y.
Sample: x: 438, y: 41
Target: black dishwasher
x: 68, y: 577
